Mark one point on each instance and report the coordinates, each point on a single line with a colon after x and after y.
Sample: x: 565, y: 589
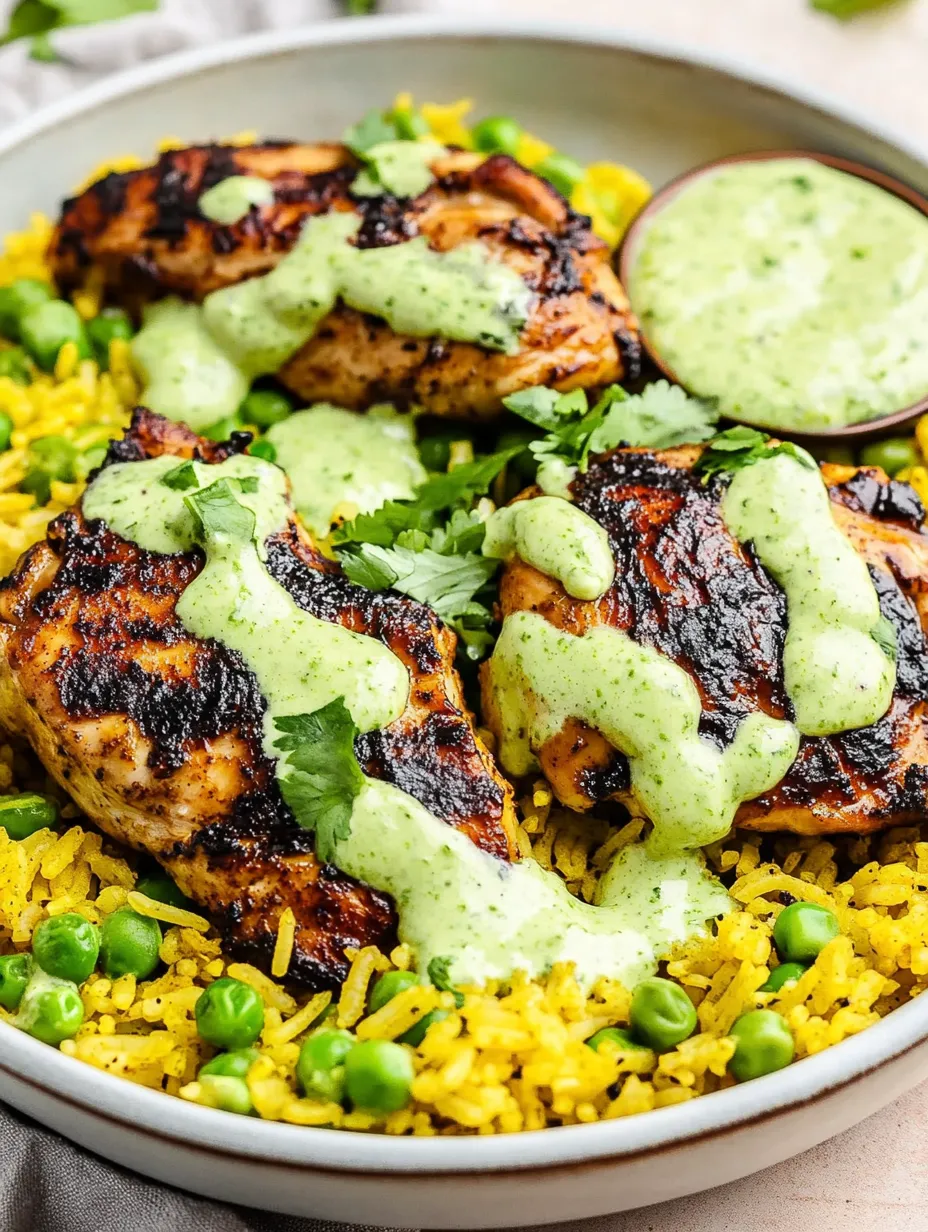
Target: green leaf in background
x: 36, y: 18
x: 844, y: 9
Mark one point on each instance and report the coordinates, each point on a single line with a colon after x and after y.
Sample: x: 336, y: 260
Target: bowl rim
x: 210, y: 1132
x: 630, y: 247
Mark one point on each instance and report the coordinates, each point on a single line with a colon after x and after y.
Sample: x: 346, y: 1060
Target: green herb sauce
x: 403, y: 168
x: 452, y: 898
x: 254, y: 327
x: 838, y: 676
x: 795, y: 294
x: 230, y: 200
x: 556, y: 538
x: 334, y: 457
x: 647, y: 707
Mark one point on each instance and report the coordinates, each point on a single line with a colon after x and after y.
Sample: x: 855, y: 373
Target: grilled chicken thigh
x: 144, y: 234
x: 158, y: 735
x: 686, y: 587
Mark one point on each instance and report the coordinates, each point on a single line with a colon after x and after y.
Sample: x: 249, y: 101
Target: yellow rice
x: 509, y: 1059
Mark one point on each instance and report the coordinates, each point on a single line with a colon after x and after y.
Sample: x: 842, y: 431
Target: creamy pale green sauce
x: 254, y: 327
x: 187, y: 375
x: 556, y: 538
x: 336, y: 457
x: 647, y: 707
x: 837, y: 676
x: 403, y: 168
x: 453, y: 899
x: 795, y: 294
x: 230, y: 200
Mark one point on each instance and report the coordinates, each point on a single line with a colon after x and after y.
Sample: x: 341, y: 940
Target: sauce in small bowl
x: 790, y: 286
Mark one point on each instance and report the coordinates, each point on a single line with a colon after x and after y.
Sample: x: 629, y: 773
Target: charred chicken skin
x: 158, y: 735
x: 685, y: 587
x: 142, y: 234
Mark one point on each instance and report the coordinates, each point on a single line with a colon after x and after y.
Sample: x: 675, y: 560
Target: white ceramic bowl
x: 596, y: 94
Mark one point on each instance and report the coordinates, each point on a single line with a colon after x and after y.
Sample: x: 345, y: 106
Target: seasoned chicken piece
x: 686, y: 587
x: 144, y: 235
x: 158, y: 735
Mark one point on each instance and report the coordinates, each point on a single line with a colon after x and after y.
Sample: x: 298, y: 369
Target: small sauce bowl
x: 855, y: 433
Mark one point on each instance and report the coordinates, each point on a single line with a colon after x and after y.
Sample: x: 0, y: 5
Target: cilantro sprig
x: 323, y: 777
x: 741, y: 446
x: 36, y: 19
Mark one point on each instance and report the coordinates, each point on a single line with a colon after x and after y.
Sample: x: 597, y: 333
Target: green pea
x: 263, y: 449
x: 498, y: 135
x: 389, y: 986
x: 435, y: 450
x: 892, y: 454
x: 802, y: 930
x: 222, y: 429
x: 265, y: 407
x: 16, y: 299
x: 231, y: 1064
x: 50, y: 458
x: 378, y: 1076
x: 320, y: 1067
x: 130, y: 944
x: 409, y: 124
x: 418, y: 1031
x: 14, y: 364
x: 618, y: 1037
x: 163, y: 889
x: 561, y: 172
x: 15, y: 970
x: 786, y: 973
x: 51, y: 1010
x: 763, y: 1044
x: 23, y: 815
x: 66, y: 946
x: 111, y: 323
x: 226, y: 1092
x: 89, y: 460
x: 661, y: 1014
x: 45, y: 329
x: 229, y: 1014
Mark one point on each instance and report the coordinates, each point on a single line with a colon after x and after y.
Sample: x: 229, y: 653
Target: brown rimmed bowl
x: 850, y: 434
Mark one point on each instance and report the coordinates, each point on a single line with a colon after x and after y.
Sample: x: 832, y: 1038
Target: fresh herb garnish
x: 660, y: 417
x: 738, y: 447
x: 464, y: 482
x: 884, y: 634
x: 323, y: 776
x: 35, y: 19
x: 219, y: 512
x: 248, y: 484
x: 182, y: 477
x: 447, y: 583
x: 570, y: 422
x: 438, y: 972
x: 372, y: 129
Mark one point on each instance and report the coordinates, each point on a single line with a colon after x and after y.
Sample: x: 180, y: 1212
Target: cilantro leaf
x: 182, y: 477
x: 219, y: 512
x: 248, y: 483
x: 324, y: 777
x: 370, y: 130
x: 845, y: 9
x: 35, y: 18
x: 539, y: 405
x: 742, y: 446
x: 438, y: 972
x: 384, y: 525
x: 884, y: 634
x: 571, y: 422
x: 447, y: 584
x: 661, y: 416
x: 464, y: 482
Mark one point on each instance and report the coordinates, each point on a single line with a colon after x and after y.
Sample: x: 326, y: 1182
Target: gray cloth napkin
x: 46, y: 1183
